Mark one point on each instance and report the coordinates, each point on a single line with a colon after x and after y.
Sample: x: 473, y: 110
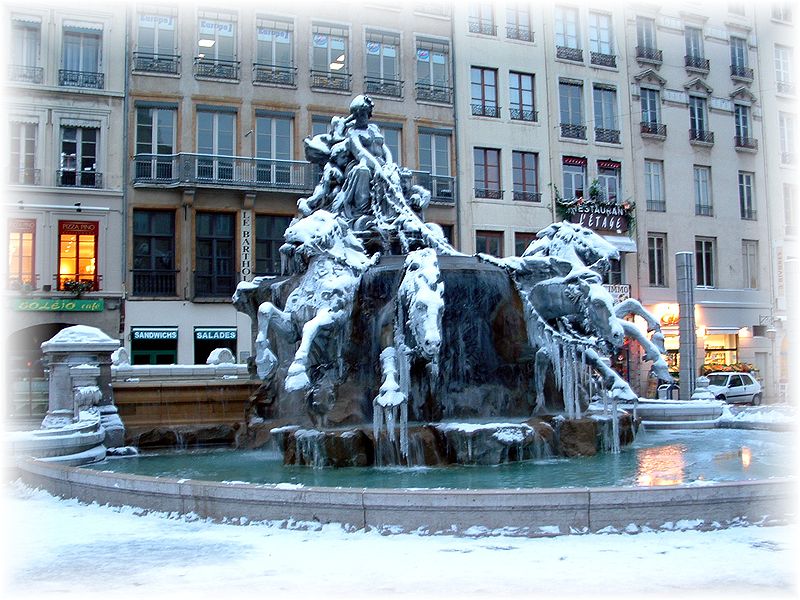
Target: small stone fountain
x: 382, y: 344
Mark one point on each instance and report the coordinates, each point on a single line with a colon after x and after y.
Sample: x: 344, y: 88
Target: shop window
x: 489, y: 242
x: 77, y: 255
x: 154, y: 345
x: 21, y: 246
x: 207, y: 339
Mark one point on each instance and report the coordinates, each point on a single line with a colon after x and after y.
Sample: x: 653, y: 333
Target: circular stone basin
x: 656, y: 458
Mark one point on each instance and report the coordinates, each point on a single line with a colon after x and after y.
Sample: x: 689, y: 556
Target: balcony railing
x: 578, y: 132
x: 747, y: 214
x: 483, y: 27
x: 149, y: 62
x: 18, y: 176
x: 274, y: 74
x: 82, y: 179
x: 383, y: 87
x: 697, y: 63
x: 656, y: 206
x: 701, y: 135
x: 745, y: 143
x: 433, y: 93
x: 493, y: 193
x: 236, y: 171
x: 442, y: 187
x: 607, y: 136
x: 741, y: 72
x: 523, y: 114
x: 216, y: 68
x: 25, y: 74
x: 331, y: 80
x: 654, y: 129
x: 515, y: 32
x: 154, y: 282
x: 81, y: 79
x: 652, y: 55
x: 603, y: 60
x: 528, y: 196
x: 785, y: 87
x: 485, y: 110
x: 704, y: 210
x: 568, y: 53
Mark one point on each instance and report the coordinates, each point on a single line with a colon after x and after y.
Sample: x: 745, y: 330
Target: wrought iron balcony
x: 528, y: 196
x: 785, y: 87
x: 568, y: 53
x: 188, y: 169
x: 704, y: 210
x: 656, y: 206
x: 215, y: 68
x: 148, y: 62
x: 433, y: 93
x: 515, y: 32
x: 608, y: 136
x: 383, y: 87
x: 81, y: 79
x: 493, y: 193
x: 154, y: 282
x: 603, y: 60
x: 696, y: 63
x: 745, y: 143
x: 748, y: 214
x: 701, y: 135
x: 578, y: 132
x: 274, y: 74
x: 18, y: 176
x: 25, y: 74
x: 82, y: 179
x: 331, y: 80
x: 653, y: 129
x: 651, y: 55
x: 442, y: 187
x: 482, y: 26
x: 741, y: 72
x: 485, y: 110
x: 522, y: 114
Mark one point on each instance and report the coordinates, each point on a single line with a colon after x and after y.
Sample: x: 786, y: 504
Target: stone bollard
x: 701, y: 391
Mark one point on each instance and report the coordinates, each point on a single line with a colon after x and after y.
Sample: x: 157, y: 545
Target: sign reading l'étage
x: 60, y: 304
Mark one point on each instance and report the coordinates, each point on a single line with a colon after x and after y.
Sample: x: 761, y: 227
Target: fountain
x: 382, y: 344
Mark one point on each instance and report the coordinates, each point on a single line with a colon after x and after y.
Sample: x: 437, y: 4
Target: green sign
x: 60, y: 304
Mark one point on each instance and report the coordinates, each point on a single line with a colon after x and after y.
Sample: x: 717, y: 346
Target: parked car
x: 735, y: 388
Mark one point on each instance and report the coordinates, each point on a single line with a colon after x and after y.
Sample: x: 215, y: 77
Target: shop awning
x: 621, y: 242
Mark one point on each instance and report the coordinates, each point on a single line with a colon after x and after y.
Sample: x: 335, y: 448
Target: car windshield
x: 718, y: 380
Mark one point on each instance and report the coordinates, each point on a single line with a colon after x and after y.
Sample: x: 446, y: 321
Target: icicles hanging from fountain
x: 390, y: 407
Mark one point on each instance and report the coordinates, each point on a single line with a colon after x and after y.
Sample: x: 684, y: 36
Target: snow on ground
x: 60, y: 547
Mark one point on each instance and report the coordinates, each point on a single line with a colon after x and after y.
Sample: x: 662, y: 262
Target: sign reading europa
x: 60, y: 304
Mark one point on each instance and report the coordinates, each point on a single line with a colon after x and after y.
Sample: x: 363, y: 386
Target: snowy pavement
x: 62, y: 548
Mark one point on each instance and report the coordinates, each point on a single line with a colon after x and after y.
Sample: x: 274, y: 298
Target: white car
x: 735, y: 388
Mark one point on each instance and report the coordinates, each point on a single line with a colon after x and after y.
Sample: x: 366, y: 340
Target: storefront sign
x: 215, y: 334
x: 60, y: 305
x: 618, y: 291
x: 609, y: 218
x: 246, y: 249
x: 154, y: 334
x: 78, y: 227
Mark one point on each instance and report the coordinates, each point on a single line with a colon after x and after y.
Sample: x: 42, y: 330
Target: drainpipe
x: 125, y: 161
x: 455, y: 127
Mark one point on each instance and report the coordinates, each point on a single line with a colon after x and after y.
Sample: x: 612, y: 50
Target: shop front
x: 154, y: 345
x: 207, y: 339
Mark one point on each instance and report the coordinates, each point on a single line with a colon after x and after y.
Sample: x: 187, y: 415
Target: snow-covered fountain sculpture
x: 378, y: 319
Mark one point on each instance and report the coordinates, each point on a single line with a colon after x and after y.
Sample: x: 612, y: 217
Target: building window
x: 601, y: 44
x: 269, y: 239
x: 433, y: 72
x: 608, y: 180
x: 525, y: 167
x: 615, y: 271
x: 21, y: 248
x: 392, y: 135
x: 81, y: 57
x: 25, y: 50
x: 693, y: 36
x: 518, y: 22
x: 23, y: 154
x: 698, y: 120
x: 645, y: 36
x: 705, y: 261
x: 654, y: 185
x: 656, y: 258
x: 434, y: 158
x: 481, y: 18
x: 489, y: 242
x: 78, y: 160
x: 574, y: 177
x: 782, y: 11
x: 156, y: 44
x: 571, y: 110
x: 216, y: 141
x: 784, y: 61
x: 155, y: 142
x: 522, y: 239
x: 77, y: 253
x: 702, y: 191
x: 651, y: 106
x: 786, y: 134
x: 736, y: 8
x: 606, y: 128
x: 750, y: 264
x: 154, y: 270
x: 739, y: 61
x: 487, y: 173
x: 790, y: 212
x: 383, y: 63
x: 741, y: 116
x: 216, y: 47
x: 484, y: 92
x: 330, y: 54
x: 520, y: 92
x: 567, y: 33
x: 747, y: 203
x: 214, y: 257
x: 273, y: 145
x: 274, y: 52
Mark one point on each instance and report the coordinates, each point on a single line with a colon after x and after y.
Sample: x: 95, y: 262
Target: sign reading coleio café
x: 60, y: 304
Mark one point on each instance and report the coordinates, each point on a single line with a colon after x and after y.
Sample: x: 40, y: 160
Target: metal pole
x: 684, y: 263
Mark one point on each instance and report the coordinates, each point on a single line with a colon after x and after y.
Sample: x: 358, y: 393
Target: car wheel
x: 756, y: 399
x: 721, y: 397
